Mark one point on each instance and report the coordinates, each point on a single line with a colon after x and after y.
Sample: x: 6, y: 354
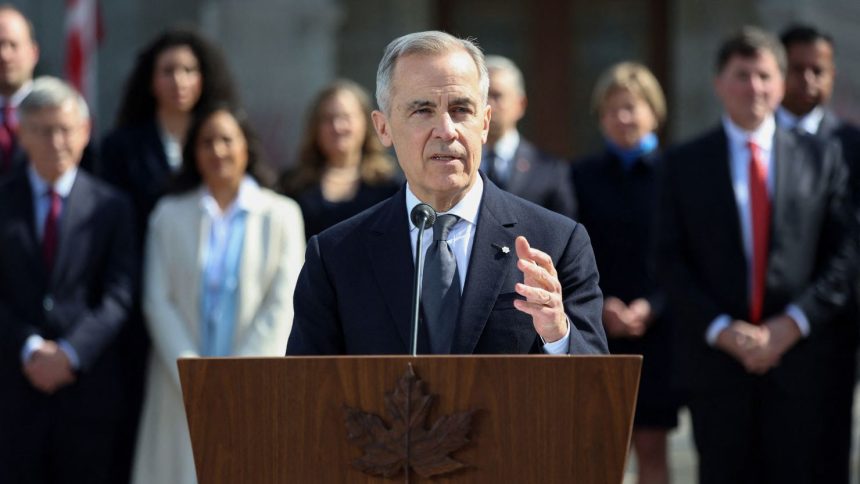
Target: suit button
x: 48, y: 303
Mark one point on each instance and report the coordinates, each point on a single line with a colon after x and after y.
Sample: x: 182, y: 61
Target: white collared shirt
x: 739, y: 159
x: 461, y: 238
x: 810, y: 122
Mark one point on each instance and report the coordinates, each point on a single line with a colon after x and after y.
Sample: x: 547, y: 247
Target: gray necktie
x: 441, y: 293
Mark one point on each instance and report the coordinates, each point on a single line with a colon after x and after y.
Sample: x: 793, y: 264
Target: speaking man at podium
x: 502, y: 275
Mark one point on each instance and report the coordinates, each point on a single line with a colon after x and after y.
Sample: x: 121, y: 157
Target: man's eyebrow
x: 461, y: 101
x: 420, y: 103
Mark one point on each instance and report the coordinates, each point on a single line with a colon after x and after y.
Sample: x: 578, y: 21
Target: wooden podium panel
x: 539, y: 418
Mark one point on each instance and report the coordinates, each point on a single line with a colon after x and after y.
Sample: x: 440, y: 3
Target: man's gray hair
x: 50, y: 92
x: 500, y: 63
x: 431, y: 42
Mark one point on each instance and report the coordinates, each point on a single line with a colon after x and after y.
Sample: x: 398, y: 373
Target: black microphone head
x: 423, y: 213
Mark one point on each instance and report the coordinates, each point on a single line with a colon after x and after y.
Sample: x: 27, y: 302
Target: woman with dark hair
x: 176, y: 76
x: 223, y: 253
x: 616, y: 192
x: 342, y: 167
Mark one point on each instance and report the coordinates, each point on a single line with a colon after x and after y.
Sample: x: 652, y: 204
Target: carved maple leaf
x: 405, y: 442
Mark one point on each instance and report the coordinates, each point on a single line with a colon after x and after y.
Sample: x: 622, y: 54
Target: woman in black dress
x: 342, y: 169
x: 616, y: 193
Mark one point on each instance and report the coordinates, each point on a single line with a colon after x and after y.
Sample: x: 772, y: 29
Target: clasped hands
x: 626, y: 320
x: 542, y: 290
x: 49, y: 368
x: 759, y: 347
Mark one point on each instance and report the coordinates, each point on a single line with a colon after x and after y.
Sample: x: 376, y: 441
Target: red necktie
x: 49, y: 237
x: 760, y: 217
x: 7, y: 138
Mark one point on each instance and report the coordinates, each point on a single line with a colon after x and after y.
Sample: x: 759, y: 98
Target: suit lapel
x: 725, y: 203
x: 26, y: 223
x: 785, y: 168
x: 829, y: 124
x: 76, y: 212
x: 520, y: 167
x: 488, y: 268
x: 390, y: 250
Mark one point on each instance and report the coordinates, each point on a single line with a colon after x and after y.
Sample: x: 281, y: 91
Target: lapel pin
x: 504, y: 249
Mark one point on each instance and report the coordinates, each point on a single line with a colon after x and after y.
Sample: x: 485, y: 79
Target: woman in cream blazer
x: 216, y: 183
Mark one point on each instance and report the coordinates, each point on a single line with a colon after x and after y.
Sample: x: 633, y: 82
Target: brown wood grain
x: 548, y: 419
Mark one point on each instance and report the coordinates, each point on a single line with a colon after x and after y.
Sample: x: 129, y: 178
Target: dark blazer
x: 617, y: 205
x: 354, y: 291
x: 320, y: 214
x: 132, y: 158
x: 838, y: 352
x: 541, y: 179
x: 17, y: 163
x: 702, y: 263
x: 848, y: 137
x: 85, y: 299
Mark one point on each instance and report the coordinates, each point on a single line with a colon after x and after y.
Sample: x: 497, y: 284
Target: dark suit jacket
x: 848, y: 138
x: 616, y: 205
x: 18, y: 162
x: 354, y: 292
x: 541, y: 179
x: 702, y: 263
x: 85, y: 299
x: 133, y: 159
x: 320, y: 214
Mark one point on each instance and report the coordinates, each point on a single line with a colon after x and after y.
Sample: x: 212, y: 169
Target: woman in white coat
x: 222, y: 258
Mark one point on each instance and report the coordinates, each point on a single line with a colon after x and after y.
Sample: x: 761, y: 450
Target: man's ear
x: 488, y: 113
x: 383, y: 130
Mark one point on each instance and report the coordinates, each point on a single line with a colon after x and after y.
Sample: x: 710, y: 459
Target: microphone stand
x: 423, y: 217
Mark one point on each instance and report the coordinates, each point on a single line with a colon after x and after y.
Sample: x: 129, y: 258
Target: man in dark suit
x: 66, y: 272
x: 509, y: 160
x: 18, y: 57
x: 753, y: 253
x: 808, y: 90
x: 501, y: 294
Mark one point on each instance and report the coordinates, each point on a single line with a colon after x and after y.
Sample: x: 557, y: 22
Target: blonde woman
x: 616, y: 196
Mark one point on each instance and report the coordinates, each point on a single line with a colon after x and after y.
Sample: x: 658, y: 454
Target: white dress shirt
x: 461, y: 237
x: 810, y: 122
x: 739, y: 159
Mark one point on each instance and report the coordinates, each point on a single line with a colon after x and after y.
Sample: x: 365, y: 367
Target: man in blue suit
x: 525, y: 279
x: 66, y: 276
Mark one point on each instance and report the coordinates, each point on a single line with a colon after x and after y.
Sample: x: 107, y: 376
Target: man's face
x: 54, y: 139
x: 750, y: 88
x: 437, y: 125
x: 508, y: 103
x: 809, y: 81
x: 18, y: 52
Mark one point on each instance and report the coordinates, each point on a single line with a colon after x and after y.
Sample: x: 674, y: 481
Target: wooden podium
x: 514, y: 419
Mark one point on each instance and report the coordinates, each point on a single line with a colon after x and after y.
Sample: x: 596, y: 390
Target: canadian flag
x: 83, y: 36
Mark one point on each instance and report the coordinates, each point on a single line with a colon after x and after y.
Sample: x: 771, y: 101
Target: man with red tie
x: 754, y: 241
x: 19, y: 54
x: 66, y: 283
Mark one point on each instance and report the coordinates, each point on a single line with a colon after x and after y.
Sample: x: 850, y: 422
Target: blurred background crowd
x: 237, y: 130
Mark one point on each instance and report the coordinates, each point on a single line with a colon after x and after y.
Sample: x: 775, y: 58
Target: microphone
x: 423, y: 216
